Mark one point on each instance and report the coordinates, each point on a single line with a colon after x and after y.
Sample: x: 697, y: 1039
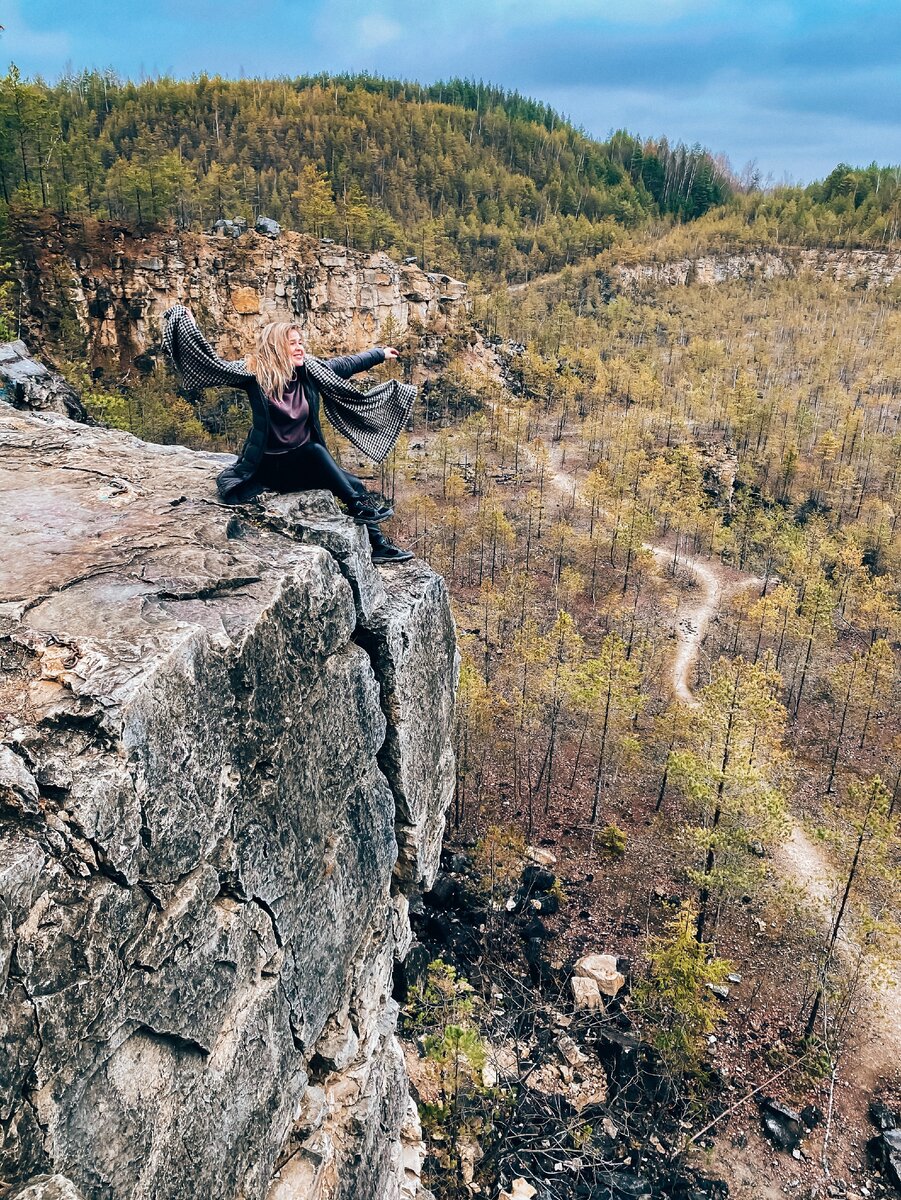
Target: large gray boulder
x: 215, y: 725
x: 268, y: 227
x: 29, y: 384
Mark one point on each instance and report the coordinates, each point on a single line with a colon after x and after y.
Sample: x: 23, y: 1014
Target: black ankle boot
x: 383, y: 550
x: 369, y: 510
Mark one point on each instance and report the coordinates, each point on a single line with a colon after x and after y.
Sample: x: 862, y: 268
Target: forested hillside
x: 471, y: 177
x: 463, y: 175
x: 851, y: 208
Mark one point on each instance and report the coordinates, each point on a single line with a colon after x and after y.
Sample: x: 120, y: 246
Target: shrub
x: 675, y: 999
x: 612, y: 840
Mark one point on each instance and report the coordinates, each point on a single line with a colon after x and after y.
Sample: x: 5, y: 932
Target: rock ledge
x: 216, y: 725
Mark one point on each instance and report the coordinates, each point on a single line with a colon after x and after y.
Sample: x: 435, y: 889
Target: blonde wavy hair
x: 270, y: 359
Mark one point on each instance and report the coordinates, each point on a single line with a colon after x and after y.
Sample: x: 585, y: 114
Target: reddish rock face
x: 246, y: 300
x: 110, y: 286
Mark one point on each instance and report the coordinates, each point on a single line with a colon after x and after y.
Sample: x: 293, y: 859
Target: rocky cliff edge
x: 108, y: 286
x: 225, y: 759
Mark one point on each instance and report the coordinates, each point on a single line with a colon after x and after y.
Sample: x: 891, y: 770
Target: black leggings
x: 309, y: 466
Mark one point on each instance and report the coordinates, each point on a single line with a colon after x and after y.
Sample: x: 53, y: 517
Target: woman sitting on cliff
x: 285, y: 449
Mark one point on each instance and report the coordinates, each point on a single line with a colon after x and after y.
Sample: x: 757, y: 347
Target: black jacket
x: 370, y: 420
x: 236, y: 482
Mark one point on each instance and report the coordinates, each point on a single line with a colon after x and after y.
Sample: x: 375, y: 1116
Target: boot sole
x: 395, y: 558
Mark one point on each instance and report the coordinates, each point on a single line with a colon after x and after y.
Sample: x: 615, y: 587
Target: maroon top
x: 289, y: 419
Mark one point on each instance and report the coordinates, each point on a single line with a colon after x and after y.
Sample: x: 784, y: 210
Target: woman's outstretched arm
x: 194, y: 358
x: 352, y: 364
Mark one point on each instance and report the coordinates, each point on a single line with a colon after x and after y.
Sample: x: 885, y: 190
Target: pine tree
x: 729, y: 774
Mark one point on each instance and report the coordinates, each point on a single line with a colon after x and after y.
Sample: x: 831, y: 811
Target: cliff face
x: 867, y: 268
x: 110, y: 285
x: 216, y: 728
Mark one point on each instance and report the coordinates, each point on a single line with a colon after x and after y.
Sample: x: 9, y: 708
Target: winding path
x: 716, y: 583
x: 878, y: 1052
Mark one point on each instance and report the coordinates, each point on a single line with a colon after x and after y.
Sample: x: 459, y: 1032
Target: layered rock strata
x: 111, y: 285
x: 216, y: 725
x: 867, y: 268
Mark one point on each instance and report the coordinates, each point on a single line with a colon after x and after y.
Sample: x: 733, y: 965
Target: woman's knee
x: 314, y: 452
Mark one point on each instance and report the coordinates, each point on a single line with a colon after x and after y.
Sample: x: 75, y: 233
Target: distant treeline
x: 469, y: 177
x: 850, y: 207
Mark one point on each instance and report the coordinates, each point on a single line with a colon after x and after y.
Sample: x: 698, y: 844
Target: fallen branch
x: 738, y: 1103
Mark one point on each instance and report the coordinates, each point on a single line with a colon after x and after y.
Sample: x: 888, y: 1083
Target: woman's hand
x: 390, y: 352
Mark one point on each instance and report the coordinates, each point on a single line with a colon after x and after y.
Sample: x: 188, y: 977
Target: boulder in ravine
x: 602, y: 968
x: 586, y: 994
x: 782, y: 1125
x: 29, y: 384
x: 216, y: 726
x: 537, y: 879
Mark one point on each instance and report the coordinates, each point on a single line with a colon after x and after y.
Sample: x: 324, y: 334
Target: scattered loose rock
x: 602, y: 968
x: 540, y: 856
x: 520, y: 1189
x: 571, y: 1051
x: 538, y: 879
x: 812, y: 1116
x: 231, y: 229
x: 586, y: 993
x: 782, y: 1124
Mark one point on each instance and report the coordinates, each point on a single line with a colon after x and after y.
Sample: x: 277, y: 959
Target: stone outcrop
x: 868, y: 268
x: 28, y: 384
x: 112, y: 285
x: 217, y: 725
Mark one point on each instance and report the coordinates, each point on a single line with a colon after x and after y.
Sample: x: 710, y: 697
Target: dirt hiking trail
x: 876, y: 1050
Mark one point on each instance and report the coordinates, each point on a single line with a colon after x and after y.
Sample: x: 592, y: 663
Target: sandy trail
x: 877, y: 1051
x: 876, y: 1046
x: 716, y: 583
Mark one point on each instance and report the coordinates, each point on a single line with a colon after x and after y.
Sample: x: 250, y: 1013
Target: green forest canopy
x: 481, y: 179
x: 471, y: 177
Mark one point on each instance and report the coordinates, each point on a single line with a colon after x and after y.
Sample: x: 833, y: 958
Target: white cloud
x: 377, y: 30
x: 27, y: 46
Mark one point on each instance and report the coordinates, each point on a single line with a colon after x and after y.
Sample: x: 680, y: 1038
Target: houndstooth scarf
x: 371, y: 420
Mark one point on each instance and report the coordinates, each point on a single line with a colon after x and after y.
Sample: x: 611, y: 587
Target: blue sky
x: 798, y: 86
